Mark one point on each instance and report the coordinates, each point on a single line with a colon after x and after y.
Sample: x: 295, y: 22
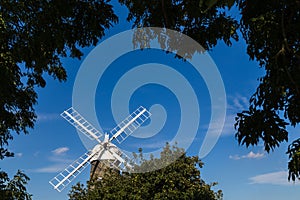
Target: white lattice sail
x: 60, y: 181
x: 130, y: 124
x: 81, y: 124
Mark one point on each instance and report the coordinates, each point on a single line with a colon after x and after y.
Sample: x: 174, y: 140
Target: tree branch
x: 285, y: 46
x: 164, y: 13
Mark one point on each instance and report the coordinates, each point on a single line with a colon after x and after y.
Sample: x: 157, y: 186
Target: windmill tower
x: 104, y: 154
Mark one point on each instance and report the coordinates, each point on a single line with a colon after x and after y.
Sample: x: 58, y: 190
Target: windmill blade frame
x: 81, y: 124
x: 60, y: 181
x: 130, y: 124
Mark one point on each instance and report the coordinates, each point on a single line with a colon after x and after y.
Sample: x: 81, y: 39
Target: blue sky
x: 241, y: 173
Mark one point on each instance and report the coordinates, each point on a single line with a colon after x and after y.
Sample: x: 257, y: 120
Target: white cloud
x: 19, y: 154
x: 240, y: 102
x: 237, y: 103
x: 36, y: 154
x: 57, y: 161
x: 60, y: 151
x: 228, y: 128
x: 274, y: 178
x: 255, y: 155
x: 41, y: 117
x: 57, y: 164
x: 55, y: 168
x: 235, y: 157
x: 250, y: 155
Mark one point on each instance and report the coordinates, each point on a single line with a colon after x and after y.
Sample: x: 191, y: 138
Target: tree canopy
x: 272, y: 33
x: 180, y: 179
x: 34, y: 37
x: 14, y: 189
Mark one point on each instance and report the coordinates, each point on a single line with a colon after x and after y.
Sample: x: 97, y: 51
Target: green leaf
x: 210, y: 3
x: 230, y: 3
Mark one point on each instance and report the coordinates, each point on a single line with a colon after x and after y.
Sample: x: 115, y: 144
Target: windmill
x: 104, y: 151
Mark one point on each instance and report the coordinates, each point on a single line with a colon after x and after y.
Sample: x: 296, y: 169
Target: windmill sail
x: 81, y: 124
x: 105, y: 151
x: 130, y: 124
x: 60, y: 181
